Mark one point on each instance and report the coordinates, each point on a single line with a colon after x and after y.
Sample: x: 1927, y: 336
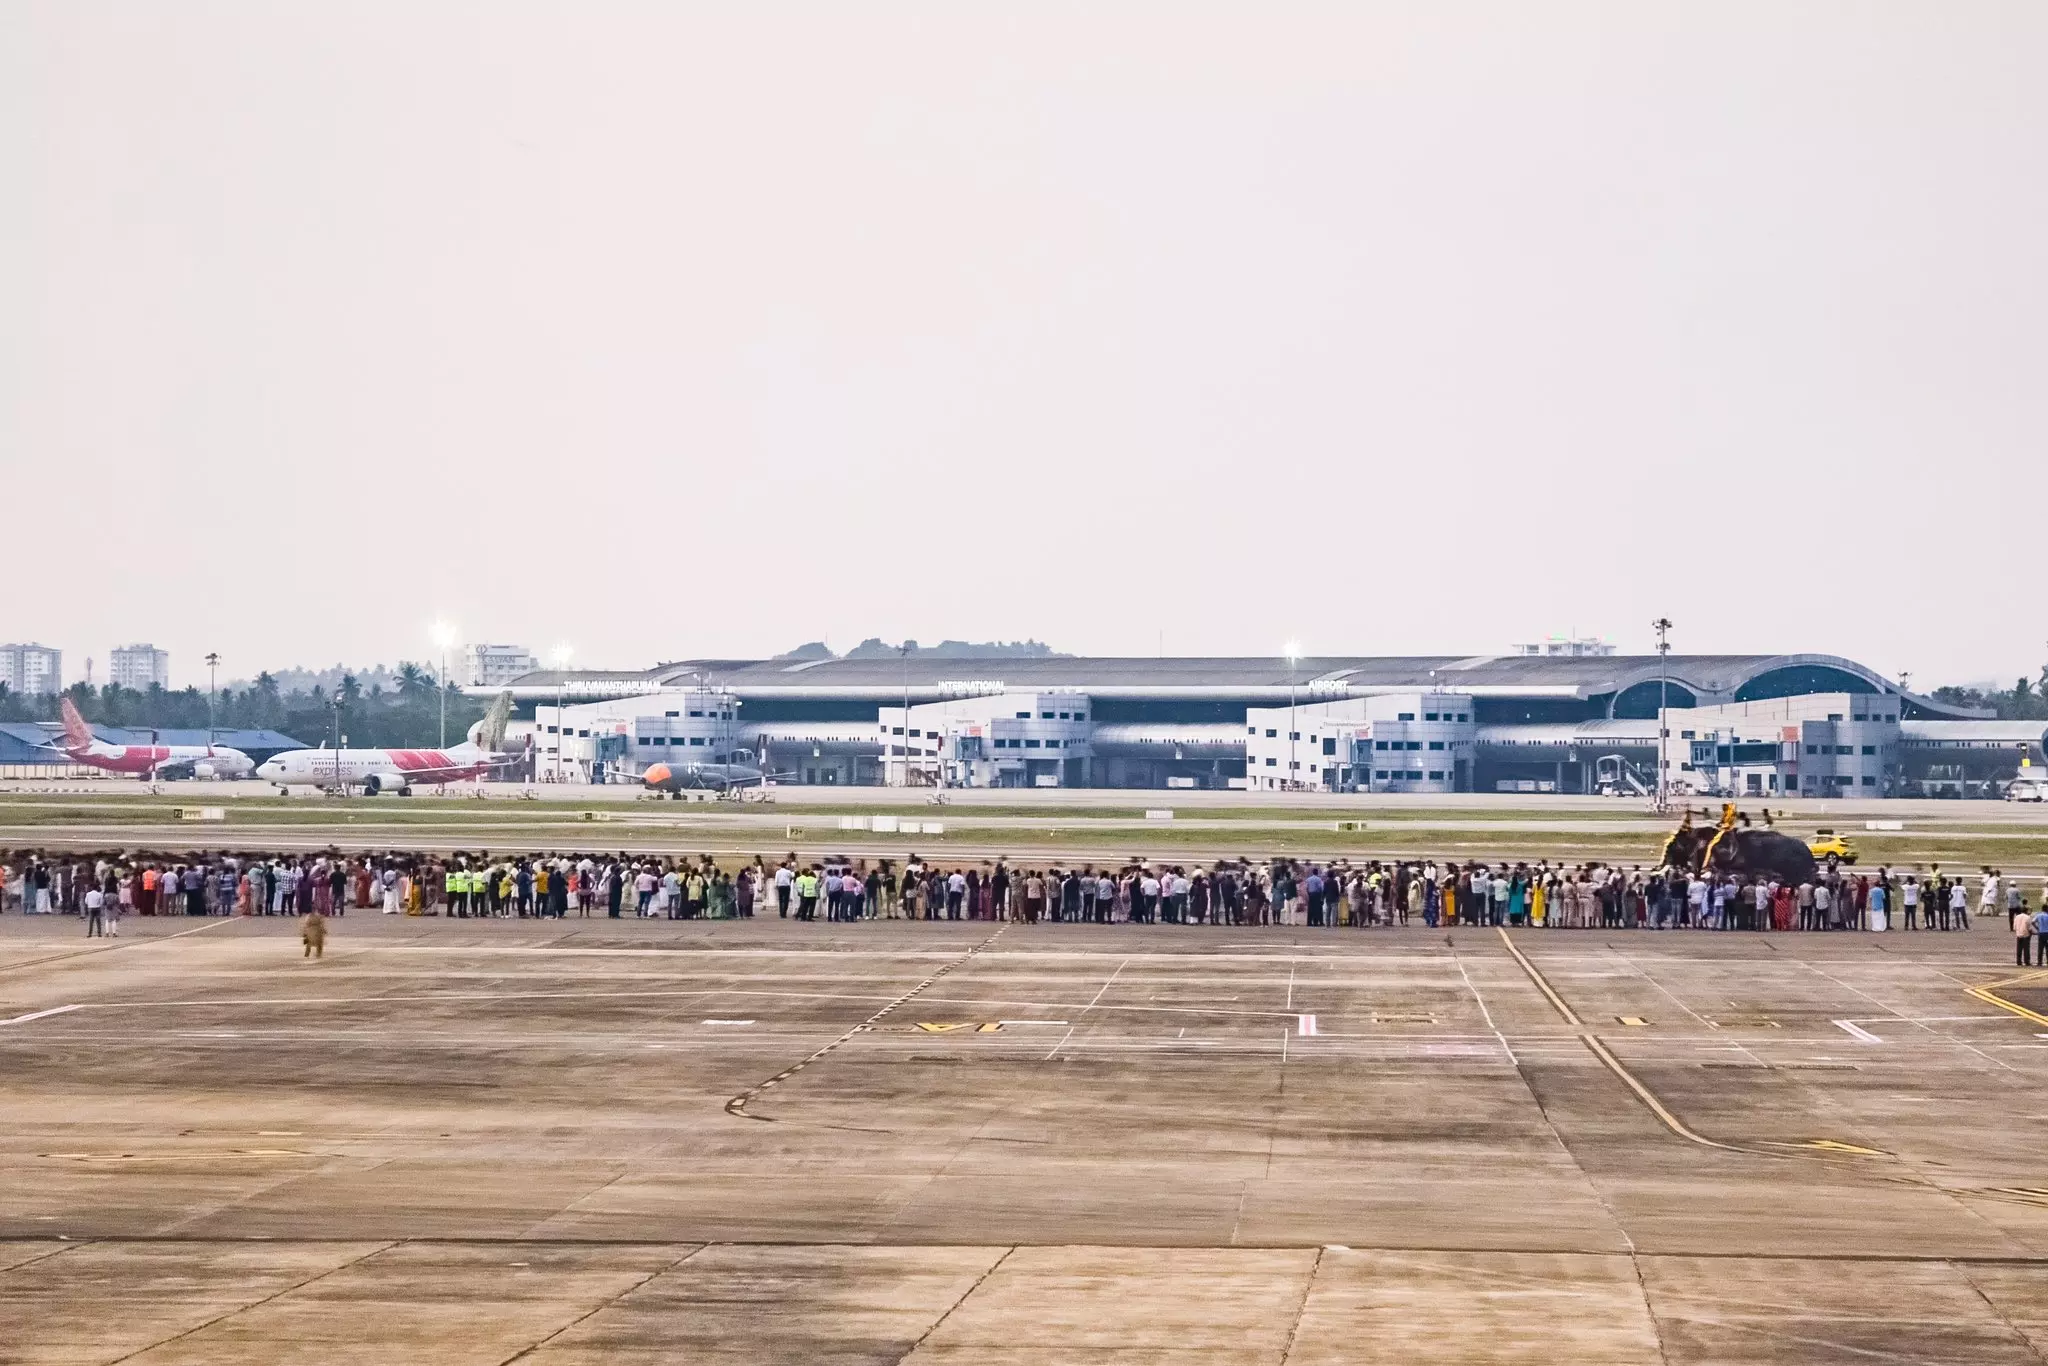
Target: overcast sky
x: 672, y: 330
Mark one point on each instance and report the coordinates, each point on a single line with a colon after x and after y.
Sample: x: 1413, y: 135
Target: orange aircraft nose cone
x: 657, y: 774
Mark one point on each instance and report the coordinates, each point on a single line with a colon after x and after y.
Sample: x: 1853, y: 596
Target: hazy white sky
x: 673, y: 329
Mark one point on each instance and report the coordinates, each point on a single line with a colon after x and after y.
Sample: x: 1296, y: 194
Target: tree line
x: 407, y: 715
x: 2026, y: 700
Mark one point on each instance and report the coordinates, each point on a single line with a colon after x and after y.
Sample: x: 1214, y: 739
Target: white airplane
x: 396, y: 771
x: 81, y: 746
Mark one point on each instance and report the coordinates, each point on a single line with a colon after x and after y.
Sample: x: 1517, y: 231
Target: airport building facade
x: 1751, y: 725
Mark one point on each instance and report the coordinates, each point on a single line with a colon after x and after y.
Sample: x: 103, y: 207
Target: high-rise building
x: 139, y: 666
x: 31, y: 670
x: 493, y: 666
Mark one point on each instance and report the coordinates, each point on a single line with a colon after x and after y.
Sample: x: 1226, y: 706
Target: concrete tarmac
x: 642, y: 1141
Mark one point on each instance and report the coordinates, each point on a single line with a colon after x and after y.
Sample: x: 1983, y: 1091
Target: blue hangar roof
x: 30, y: 742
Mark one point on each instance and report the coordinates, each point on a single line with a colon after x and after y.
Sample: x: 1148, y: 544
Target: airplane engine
x: 393, y: 783
x: 205, y: 771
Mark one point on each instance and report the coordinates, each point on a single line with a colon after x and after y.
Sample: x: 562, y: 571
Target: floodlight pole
x: 1662, y: 625
x: 212, y: 685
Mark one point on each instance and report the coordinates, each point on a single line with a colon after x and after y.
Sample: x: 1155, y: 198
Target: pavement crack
x: 601, y: 1306
x: 965, y: 1296
x: 255, y: 1304
x: 1308, y: 1286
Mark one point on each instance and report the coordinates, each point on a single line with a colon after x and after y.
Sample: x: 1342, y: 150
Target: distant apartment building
x: 493, y: 666
x: 138, y: 667
x: 31, y: 670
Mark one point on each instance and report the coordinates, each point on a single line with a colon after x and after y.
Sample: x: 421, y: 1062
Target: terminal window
x: 1414, y: 775
x: 1436, y: 775
x: 1271, y: 733
x: 1381, y: 773
x: 1405, y: 716
x: 1429, y: 716
x: 1271, y: 763
x: 1436, y: 744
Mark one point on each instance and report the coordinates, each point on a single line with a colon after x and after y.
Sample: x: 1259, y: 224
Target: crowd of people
x: 1338, y: 894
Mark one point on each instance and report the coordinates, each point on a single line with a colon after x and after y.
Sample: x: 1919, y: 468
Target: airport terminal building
x: 1759, y: 725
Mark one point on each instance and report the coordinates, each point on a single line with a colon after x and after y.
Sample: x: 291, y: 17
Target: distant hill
x: 875, y: 647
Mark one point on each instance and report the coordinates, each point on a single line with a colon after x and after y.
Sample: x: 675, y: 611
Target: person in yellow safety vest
x: 806, y: 894
x: 451, y: 883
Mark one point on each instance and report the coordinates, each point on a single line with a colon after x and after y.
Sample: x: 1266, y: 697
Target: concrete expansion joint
x: 737, y: 1106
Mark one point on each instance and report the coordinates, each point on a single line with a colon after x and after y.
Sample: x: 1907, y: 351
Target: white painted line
x: 1857, y: 1031
x: 1305, y: 1025
x: 1032, y: 1022
x: 728, y: 1022
x: 41, y: 1014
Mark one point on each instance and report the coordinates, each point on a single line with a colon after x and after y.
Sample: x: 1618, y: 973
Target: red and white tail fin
x: 77, y: 735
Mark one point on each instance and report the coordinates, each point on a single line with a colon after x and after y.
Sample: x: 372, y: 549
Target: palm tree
x: 412, y: 681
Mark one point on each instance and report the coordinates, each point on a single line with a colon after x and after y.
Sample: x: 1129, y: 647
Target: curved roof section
x: 1709, y: 678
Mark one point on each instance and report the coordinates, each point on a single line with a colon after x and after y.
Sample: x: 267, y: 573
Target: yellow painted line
x: 1990, y: 997
x: 1613, y: 1064
x: 1635, y: 1021
x: 1829, y: 1145
x: 939, y: 1027
x: 2015, y: 981
x: 1541, y: 985
x: 1647, y: 1097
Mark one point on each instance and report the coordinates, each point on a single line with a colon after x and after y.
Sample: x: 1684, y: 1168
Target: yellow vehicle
x: 1830, y: 849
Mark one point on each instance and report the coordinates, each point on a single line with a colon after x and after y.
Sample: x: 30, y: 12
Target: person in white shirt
x: 785, y: 878
x: 95, y: 913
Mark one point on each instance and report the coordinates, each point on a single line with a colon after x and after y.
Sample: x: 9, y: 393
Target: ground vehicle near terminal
x: 2028, y: 787
x: 1831, y: 849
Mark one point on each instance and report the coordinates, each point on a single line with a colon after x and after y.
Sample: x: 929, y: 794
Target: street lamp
x: 444, y: 636
x: 335, y: 702
x: 212, y: 681
x: 560, y: 656
x: 1662, y: 626
x: 1292, y: 649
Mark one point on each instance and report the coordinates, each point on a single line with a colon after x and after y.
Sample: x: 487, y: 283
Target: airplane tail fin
x: 490, y: 736
x: 77, y: 735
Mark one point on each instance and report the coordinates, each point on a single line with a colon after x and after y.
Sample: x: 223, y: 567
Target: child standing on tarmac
x: 313, y: 930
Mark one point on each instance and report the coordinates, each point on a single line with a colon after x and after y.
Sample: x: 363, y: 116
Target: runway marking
x: 1041, y: 1022
x: 41, y: 1014
x: 935, y: 1027
x: 1635, y: 1021
x: 1990, y: 997
x: 737, y: 1106
x: 1857, y: 1032
x: 1091, y: 1005
x: 1305, y: 1025
x: 728, y: 1022
x: 138, y: 942
x: 1600, y: 1051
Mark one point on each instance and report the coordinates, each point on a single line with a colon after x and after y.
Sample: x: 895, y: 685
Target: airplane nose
x: 657, y: 774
